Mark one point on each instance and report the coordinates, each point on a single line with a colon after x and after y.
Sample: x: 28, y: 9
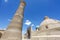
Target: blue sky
x: 34, y: 12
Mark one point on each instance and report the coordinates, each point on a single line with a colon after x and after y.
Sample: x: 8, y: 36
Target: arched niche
x: 0, y: 34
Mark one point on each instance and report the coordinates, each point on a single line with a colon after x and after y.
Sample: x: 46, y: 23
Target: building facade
x: 49, y: 30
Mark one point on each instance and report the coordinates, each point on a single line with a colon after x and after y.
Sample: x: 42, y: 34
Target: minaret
x: 14, y: 30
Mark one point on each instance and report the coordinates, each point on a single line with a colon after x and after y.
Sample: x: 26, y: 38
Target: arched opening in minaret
x: 0, y: 35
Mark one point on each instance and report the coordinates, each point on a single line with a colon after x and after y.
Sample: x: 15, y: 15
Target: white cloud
x: 37, y: 26
x: 9, y: 20
x: 6, y: 0
x: 2, y: 28
x: 32, y: 25
x: 23, y: 32
x: 27, y: 22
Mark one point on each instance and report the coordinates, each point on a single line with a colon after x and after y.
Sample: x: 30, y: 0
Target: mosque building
x: 49, y: 30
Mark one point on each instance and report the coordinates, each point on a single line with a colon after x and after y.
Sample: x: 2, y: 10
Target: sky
x: 34, y: 12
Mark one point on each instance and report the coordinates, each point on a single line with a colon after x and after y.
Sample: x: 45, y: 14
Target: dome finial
x: 46, y: 17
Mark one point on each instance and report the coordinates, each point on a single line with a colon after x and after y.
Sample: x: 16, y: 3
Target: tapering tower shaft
x: 17, y: 20
x: 14, y: 30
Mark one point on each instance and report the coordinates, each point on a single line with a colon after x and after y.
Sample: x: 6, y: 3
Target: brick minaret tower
x: 14, y: 30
